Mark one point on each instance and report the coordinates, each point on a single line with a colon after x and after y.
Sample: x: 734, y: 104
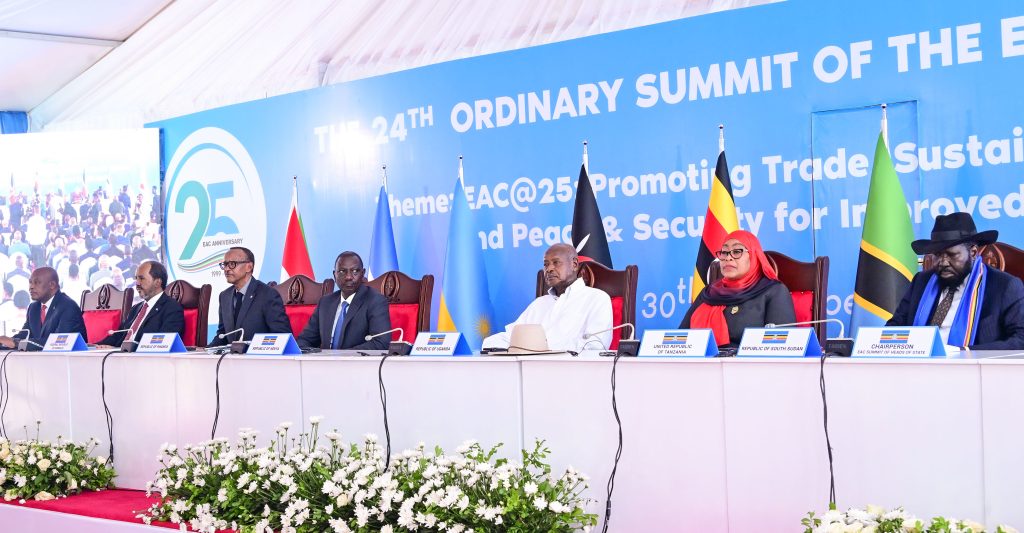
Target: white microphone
x: 400, y: 331
x: 841, y: 345
x: 127, y: 344
x: 239, y: 345
x: 627, y: 346
x: 24, y: 343
x: 842, y: 328
x: 399, y: 347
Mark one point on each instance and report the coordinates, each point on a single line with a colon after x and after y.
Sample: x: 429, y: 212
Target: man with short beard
x: 973, y: 304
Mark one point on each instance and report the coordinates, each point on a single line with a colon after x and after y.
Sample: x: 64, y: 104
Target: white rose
x: 43, y: 496
x: 43, y: 465
x: 974, y: 526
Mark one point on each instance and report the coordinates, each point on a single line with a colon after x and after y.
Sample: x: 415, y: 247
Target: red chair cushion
x: 191, y: 327
x: 298, y: 316
x: 98, y: 323
x: 616, y: 320
x: 803, y: 304
x: 404, y: 316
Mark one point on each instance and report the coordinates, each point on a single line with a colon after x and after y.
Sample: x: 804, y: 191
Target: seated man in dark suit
x: 157, y: 313
x: 248, y: 304
x: 51, y: 311
x: 973, y: 304
x: 343, y: 319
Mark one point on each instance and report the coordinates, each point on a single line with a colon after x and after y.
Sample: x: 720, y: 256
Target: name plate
x: 911, y: 341
x: 65, y: 342
x: 160, y: 343
x: 273, y: 344
x: 440, y: 343
x: 779, y: 342
x: 678, y: 343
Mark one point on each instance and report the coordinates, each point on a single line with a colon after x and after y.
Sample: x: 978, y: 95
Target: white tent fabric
x: 201, y: 54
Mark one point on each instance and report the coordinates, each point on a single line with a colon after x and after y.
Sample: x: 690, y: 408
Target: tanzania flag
x: 296, y: 254
x: 383, y: 257
x: 887, y: 262
x: 465, y: 297
x: 719, y: 221
x: 588, y: 234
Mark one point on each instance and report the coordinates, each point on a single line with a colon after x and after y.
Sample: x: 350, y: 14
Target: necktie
x: 943, y: 309
x: 137, y: 322
x: 237, y: 306
x: 336, y: 340
x: 42, y: 314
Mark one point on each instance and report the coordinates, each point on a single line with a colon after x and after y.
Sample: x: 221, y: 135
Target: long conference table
x: 709, y: 444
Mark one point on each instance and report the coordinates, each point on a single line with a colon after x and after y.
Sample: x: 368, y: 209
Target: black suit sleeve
x: 174, y: 318
x: 1011, y: 320
x: 310, y: 336
x: 778, y: 309
x: 378, y: 319
x: 277, y: 319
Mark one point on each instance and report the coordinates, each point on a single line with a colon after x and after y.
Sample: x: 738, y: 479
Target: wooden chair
x: 998, y: 255
x: 104, y: 309
x: 408, y: 302
x: 620, y: 286
x: 300, y: 295
x: 807, y: 283
x: 196, y: 302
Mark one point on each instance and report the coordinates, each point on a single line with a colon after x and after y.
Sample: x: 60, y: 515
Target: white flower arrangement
x: 42, y: 470
x: 294, y: 485
x: 876, y: 519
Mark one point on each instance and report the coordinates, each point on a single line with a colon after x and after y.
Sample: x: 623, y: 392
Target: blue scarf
x: 965, y: 321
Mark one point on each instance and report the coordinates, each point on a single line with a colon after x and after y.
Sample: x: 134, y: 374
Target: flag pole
x: 462, y: 180
x: 885, y: 126
x: 384, y: 177
x: 586, y: 158
x: 721, y: 138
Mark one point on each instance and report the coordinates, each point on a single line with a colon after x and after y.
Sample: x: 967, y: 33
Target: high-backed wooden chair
x: 998, y: 255
x: 807, y: 283
x: 196, y: 301
x: 104, y: 309
x: 620, y: 286
x: 300, y: 295
x: 408, y: 302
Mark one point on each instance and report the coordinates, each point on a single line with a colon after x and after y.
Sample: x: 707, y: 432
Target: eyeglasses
x: 230, y: 265
x: 344, y: 272
x: 735, y: 253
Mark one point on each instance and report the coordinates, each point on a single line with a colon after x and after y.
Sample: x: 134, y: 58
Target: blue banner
x: 798, y: 86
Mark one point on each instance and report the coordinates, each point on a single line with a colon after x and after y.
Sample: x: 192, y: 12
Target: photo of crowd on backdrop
x: 91, y: 221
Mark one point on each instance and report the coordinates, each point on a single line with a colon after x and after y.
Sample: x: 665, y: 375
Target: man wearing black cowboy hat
x: 973, y: 304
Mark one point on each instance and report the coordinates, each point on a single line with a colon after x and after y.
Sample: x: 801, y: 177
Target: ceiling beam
x: 12, y: 34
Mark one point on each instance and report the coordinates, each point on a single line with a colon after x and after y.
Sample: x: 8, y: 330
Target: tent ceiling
x: 199, y: 54
x: 44, y: 44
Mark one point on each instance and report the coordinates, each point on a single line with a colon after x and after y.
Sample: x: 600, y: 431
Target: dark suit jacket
x: 1001, y: 323
x: 262, y: 311
x: 63, y: 316
x: 367, y: 315
x: 773, y: 306
x: 167, y: 316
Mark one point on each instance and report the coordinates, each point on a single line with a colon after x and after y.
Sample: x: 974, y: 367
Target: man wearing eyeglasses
x: 343, y: 319
x: 248, y: 303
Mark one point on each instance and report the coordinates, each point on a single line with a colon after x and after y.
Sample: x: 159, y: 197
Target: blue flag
x: 465, y: 298
x: 383, y: 257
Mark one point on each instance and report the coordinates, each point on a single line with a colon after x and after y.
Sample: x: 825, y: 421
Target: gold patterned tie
x: 943, y: 309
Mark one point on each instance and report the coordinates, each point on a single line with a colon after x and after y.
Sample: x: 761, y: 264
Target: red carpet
x: 115, y: 504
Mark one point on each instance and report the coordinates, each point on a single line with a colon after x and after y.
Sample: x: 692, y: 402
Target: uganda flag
x: 886, y: 262
x: 719, y: 222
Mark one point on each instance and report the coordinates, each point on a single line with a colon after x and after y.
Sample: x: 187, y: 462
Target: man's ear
x: 972, y: 250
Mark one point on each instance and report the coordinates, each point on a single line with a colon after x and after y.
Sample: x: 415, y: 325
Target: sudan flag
x: 295, y: 259
x: 886, y: 262
x: 719, y: 221
x: 588, y: 234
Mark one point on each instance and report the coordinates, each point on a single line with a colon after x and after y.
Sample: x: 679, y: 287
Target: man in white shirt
x: 569, y: 311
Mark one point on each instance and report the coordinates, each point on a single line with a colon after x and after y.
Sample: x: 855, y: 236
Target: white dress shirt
x: 566, y: 319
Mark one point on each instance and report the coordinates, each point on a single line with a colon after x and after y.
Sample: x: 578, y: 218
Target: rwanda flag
x: 465, y: 298
x: 887, y: 262
x: 719, y: 221
x: 383, y: 257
